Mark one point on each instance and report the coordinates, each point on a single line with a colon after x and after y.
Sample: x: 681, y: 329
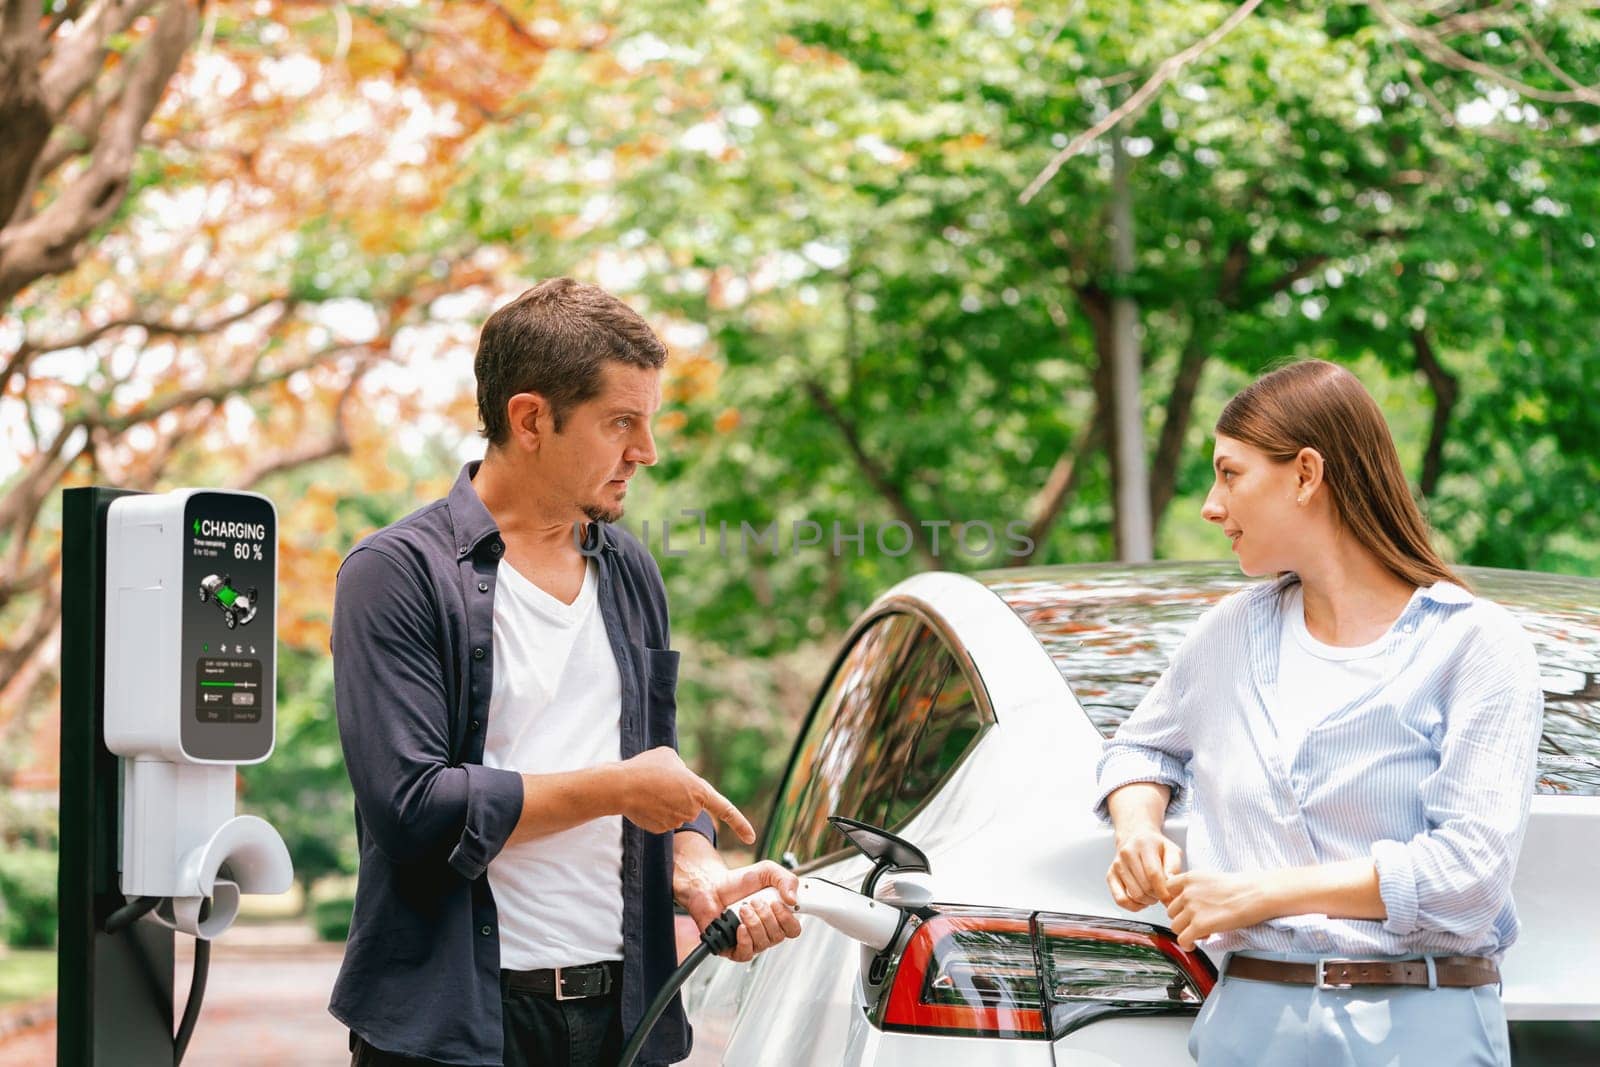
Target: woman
x: 1359, y: 735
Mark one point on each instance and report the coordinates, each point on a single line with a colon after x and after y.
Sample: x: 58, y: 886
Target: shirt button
x: 495, y: 548
x: 476, y: 724
x: 483, y: 587
x: 478, y: 653
x: 485, y: 929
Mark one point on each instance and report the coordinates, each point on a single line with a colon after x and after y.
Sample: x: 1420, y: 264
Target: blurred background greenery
x: 275, y: 281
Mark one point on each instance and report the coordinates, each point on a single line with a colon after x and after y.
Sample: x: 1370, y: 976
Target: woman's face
x: 1256, y: 502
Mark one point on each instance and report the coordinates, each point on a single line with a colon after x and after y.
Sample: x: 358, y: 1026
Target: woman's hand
x: 1140, y: 872
x: 1202, y: 903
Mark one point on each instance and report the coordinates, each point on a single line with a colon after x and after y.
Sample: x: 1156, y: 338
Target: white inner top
x: 556, y: 706
x: 1316, y: 679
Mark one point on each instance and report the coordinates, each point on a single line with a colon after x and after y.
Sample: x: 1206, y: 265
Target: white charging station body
x: 190, y: 676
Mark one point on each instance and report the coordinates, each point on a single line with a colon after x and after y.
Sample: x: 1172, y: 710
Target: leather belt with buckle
x: 568, y: 983
x: 1453, y: 971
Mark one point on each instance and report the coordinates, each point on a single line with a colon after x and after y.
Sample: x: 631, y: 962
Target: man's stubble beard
x: 601, y: 513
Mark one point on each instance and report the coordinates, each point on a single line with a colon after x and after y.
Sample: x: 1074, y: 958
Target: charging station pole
x: 113, y: 991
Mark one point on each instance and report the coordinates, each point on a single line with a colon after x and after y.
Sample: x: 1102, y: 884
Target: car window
x: 952, y: 723
x: 882, y: 738
x: 799, y: 818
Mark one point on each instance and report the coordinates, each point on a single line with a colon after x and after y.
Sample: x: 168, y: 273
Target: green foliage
x: 27, y: 974
x: 28, y: 897
x: 303, y: 790
x: 832, y: 193
x: 330, y: 917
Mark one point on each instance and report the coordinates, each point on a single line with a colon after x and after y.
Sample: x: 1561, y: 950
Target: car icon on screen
x: 237, y: 608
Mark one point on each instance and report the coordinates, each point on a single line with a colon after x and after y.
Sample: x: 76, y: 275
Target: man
x: 506, y: 702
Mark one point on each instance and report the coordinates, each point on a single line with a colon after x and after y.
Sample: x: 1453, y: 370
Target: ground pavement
x: 266, y: 1003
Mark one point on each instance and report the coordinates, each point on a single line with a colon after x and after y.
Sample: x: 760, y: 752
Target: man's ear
x: 529, y: 417
x: 1308, y: 470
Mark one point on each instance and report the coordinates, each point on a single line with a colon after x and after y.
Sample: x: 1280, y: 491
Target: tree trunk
x: 1132, y: 481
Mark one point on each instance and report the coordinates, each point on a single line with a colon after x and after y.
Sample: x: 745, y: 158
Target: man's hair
x: 553, y: 340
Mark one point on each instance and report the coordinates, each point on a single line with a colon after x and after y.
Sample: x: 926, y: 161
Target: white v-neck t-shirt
x: 556, y: 706
x: 1316, y: 679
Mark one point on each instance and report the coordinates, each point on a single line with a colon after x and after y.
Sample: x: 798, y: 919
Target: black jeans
x: 540, y: 1031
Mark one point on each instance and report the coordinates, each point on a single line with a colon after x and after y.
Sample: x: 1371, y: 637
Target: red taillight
x: 970, y: 973
x: 1015, y: 974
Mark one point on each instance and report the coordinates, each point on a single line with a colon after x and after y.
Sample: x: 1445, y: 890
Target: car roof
x: 1110, y: 629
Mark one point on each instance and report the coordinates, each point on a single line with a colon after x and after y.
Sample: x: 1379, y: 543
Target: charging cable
x: 135, y: 910
x: 720, y: 935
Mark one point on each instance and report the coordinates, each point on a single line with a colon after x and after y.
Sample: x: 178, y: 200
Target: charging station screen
x: 230, y: 571
x: 228, y: 690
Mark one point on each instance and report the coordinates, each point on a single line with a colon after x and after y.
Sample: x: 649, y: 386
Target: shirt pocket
x: 660, y: 698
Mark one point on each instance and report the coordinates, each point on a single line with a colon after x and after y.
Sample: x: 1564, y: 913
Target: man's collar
x: 474, y: 525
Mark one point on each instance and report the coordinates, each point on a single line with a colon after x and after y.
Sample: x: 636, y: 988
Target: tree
x: 215, y: 314
x: 75, y: 120
x: 891, y: 337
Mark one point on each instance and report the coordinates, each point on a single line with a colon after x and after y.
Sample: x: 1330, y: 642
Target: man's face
x: 604, y: 441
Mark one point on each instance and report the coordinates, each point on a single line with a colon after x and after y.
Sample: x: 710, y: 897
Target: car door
x: 896, y: 714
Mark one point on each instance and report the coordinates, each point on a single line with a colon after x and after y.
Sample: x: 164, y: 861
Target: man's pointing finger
x: 721, y: 807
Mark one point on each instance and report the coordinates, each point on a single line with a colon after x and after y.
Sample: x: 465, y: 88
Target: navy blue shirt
x: 413, y: 662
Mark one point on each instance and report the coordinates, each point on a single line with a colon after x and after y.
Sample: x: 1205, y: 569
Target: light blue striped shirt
x: 1430, y: 773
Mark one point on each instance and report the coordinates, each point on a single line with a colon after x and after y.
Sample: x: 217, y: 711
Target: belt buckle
x: 1322, y: 977
x: 561, y: 988
x: 589, y: 980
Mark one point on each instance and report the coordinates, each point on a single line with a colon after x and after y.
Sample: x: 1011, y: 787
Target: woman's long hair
x: 1320, y: 405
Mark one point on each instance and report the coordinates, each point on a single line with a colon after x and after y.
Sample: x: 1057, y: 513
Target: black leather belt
x: 568, y: 983
x: 1455, y: 971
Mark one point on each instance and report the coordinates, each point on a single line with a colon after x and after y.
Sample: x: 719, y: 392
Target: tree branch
x: 1164, y: 73
x: 27, y: 124
x: 875, y: 474
x: 76, y: 61
x: 1446, y: 389
x: 27, y: 492
x: 1175, y: 427
x: 151, y: 327
x: 52, y: 241
x: 335, y: 443
x: 1434, y: 47
x: 1062, y: 484
x: 214, y: 392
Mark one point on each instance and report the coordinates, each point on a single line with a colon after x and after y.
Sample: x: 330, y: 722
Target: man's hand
x: 1141, y: 871
x: 659, y: 794
x: 704, y: 885
x: 764, y: 920
x: 1202, y: 903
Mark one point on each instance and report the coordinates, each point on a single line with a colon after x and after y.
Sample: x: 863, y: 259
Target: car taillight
x: 981, y: 972
x: 968, y: 972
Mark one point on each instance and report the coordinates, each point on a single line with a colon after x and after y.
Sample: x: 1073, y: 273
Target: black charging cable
x: 132, y: 912
x: 719, y: 936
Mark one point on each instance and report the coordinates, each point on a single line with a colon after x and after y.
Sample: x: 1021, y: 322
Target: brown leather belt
x: 568, y: 983
x: 1454, y: 971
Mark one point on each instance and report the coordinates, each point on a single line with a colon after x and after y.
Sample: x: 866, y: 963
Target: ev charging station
x: 168, y: 665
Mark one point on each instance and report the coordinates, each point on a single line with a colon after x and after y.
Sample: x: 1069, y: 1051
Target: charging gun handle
x: 866, y: 920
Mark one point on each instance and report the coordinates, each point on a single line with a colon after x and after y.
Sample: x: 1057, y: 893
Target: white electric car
x: 966, y: 715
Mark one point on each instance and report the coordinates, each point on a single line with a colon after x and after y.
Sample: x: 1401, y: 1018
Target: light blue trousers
x: 1274, y: 1024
